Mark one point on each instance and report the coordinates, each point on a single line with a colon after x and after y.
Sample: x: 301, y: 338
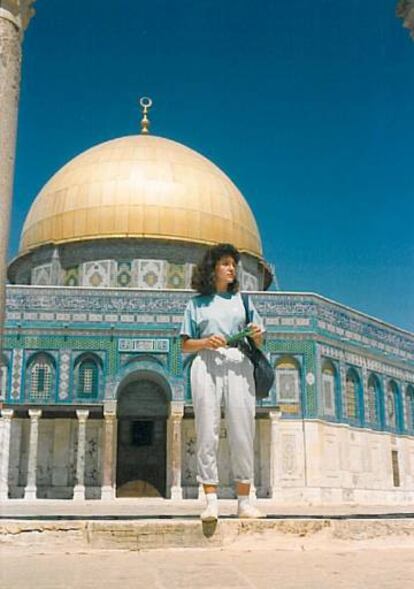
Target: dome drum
x: 135, y: 263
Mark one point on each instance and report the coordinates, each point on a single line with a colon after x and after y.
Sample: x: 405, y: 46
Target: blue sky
x: 308, y: 106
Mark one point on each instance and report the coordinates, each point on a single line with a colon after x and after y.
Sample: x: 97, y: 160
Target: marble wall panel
x: 189, y: 458
x: 45, y: 457
x: 124, y: 276
x: 248, y: 281
x: 93, y: 453
x: 41, y: 275
x: 17, y: 475
x: 61, y: 451
x: 363, y: 459
x: 262, y: 458
x: 101, y: 273
x: 71, y: 276
x: 226, y: 483
x: 330, y: 458
x: 175, y: 276
x: 151, y: 274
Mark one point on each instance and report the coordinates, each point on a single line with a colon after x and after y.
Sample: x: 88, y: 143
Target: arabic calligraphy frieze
x: 292, y: 310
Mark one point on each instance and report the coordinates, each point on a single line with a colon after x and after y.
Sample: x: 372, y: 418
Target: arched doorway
x: 143, y: 404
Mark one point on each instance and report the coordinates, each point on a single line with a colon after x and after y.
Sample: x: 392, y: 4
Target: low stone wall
x: 144, y: 535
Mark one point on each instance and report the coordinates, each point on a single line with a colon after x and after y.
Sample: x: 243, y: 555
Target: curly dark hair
x: 204, y: 277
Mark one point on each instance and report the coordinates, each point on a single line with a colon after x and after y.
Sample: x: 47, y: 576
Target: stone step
x: 144, y: 534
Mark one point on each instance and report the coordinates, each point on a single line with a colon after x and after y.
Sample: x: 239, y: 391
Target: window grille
x: 40, y: 380
x: 328, y: 390
x: 351, y: 397
x: 287, y: 381
x: 409, y: 400
x: 391, y: 405
x: 88, y: 378
x: 372, y: 400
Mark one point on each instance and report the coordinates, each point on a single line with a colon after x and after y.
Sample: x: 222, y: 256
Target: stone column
x: 274, y: 417
x: 5, y: 422
x: 30, y: 489
x: 79, y: 490
x: 201, y: 494
x: 174, y: 442
x: 14, y: 19
x: 108, y: 487
x: 342, y: 376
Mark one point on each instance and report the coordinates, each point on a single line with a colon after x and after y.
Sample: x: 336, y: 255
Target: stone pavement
x: 236, y: 567
x: 133, y: 543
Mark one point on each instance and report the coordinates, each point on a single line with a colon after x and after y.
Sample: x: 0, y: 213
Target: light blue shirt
x: 217, y: 314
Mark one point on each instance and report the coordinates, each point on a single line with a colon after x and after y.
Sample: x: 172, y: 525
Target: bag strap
x: 245, y: 299
x: 250, y: 342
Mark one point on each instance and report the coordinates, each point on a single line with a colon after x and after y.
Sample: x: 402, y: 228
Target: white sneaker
x: 248, y: 511
x: 210, y: 514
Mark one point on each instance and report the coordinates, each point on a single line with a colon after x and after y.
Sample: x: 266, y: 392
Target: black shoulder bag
x: 264, y: 375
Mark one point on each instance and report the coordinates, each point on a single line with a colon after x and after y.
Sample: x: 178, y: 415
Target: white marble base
x: 79, y: 493
x: 176, y: 493
x: 30, y: 493
x: 108, y: 493
x: 315, y: 463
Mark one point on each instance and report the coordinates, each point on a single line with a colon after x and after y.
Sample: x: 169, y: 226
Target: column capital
x: 176, y: 410
x: 82, y: 414
x: 7, y: 413
x: 35, y: 413
x: 19, y: 12
x: 109, y: 409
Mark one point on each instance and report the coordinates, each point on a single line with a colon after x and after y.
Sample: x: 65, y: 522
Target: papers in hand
x: 234, y: 339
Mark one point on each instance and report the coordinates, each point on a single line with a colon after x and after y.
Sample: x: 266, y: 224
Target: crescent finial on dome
x: 146, y: 104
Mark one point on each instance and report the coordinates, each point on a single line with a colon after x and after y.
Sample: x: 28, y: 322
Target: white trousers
x: 223, y: 376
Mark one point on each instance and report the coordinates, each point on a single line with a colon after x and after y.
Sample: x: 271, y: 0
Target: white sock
x: 243, y: 500
x: 211, y: 499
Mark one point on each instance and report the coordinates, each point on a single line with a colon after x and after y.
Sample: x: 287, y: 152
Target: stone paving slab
x: 131, y: 507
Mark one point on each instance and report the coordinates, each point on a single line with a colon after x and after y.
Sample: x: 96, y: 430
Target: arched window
x: 351, y: 394
x: 88, y: 378
x: 3, y: 378
x: 40, y: 378
x: 372, y: 401
x: 287, y: 380
x: 409, y: 404
x: 328, y: 388
x: 391, y: 404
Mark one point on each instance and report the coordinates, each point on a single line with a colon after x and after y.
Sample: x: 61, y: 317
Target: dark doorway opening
x: 142, y: 440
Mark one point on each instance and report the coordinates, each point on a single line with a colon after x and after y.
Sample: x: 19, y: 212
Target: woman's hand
x: 207, y: 343
x: 214, y: 341
x: 256, y: 333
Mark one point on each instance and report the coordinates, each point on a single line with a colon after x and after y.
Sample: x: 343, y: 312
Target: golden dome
x: 141, y: 186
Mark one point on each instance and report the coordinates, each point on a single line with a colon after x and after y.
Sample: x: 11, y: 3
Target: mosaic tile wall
x: 129, y: 274
x: 123, y: 328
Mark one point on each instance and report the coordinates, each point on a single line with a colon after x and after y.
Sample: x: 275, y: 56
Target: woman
x: 221, y: 373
